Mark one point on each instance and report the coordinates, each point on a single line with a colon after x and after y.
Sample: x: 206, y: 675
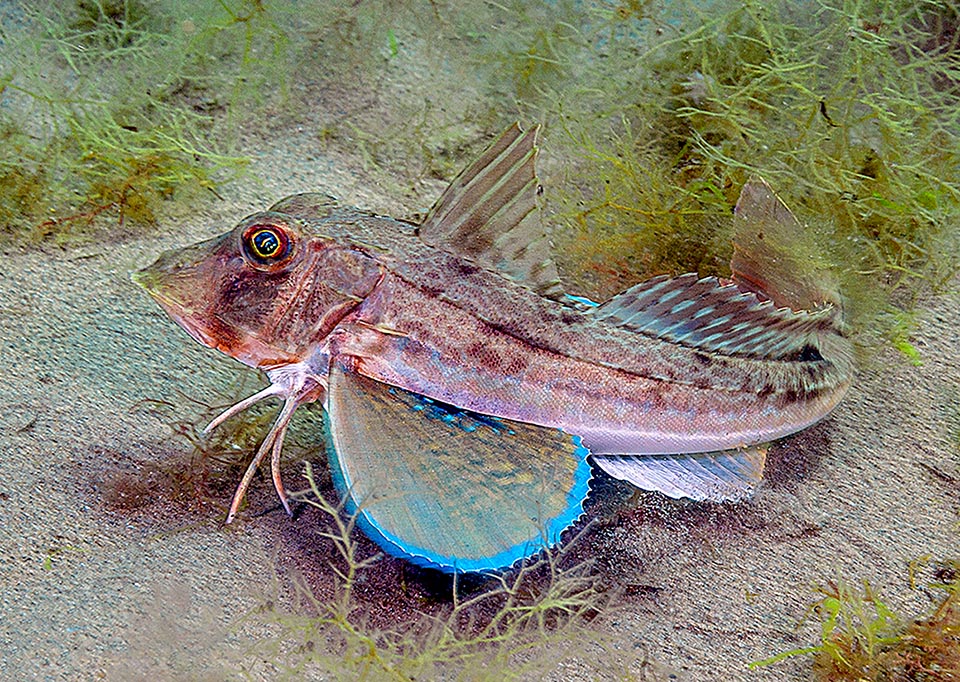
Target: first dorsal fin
x: 489, y: 215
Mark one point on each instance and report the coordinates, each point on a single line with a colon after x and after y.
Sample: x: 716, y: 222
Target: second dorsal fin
x: 489, y: 215
x: 711, y: 316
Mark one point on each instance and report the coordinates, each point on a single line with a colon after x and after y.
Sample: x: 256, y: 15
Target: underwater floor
x: 114, y: 564
x: 96, y: 587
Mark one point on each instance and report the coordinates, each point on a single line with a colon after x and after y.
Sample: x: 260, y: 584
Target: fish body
x: 459, y: 378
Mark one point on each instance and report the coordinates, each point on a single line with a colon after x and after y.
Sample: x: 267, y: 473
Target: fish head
x: 266, y: 293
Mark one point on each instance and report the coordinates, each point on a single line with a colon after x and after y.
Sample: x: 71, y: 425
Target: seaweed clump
x: 205, y: 473
x: 657, y: 114
x: 519, y: 625
x: 862, y: 639
x: 109, y: 108
x: 849, y: 110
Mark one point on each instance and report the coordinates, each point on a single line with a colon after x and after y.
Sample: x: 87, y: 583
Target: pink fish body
x: 465, y: 392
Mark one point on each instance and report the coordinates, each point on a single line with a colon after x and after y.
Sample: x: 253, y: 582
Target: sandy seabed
x: 90, y: 591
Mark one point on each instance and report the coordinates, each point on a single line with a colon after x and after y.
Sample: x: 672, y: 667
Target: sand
x: 92, y: 590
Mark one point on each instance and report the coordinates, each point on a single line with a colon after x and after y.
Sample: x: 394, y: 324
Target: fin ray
x: 774, y: 256
x: 726, y: 475
x: 489, y: 215
x: 711, y: 316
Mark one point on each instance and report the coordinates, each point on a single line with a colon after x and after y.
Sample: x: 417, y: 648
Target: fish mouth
x: 206, y: 328
x: 151, y: 281
x: 143, y: 278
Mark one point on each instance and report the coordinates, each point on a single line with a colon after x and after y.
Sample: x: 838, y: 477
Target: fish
x: 470, y: 400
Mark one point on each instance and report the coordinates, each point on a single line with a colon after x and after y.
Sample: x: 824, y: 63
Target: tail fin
x: 775, y: 257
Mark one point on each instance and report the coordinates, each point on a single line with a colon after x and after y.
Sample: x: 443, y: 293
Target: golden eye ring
x: 267, y: 245
x: 266, y: 242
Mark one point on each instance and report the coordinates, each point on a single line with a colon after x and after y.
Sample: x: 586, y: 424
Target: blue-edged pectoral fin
x: 724, y: 476
x: 447, y: 488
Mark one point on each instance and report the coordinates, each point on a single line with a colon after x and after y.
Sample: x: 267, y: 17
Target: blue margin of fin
x: 583, y: 299
x: 394, y: 546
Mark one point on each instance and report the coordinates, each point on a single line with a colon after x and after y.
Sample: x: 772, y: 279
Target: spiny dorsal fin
x: 774, y: 256
x: 489, y: 215
x: 714, y: 317
x: 724, y: 476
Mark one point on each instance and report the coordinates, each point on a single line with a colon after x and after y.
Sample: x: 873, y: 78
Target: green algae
x: 863, y: 639
x: 110, y: 108
x: 522, y: 624
x: 655, y: 113
x: 848, y: 110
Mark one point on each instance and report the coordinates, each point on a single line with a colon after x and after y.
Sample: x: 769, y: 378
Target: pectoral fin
x: 447, y: 488
x: 723, y: 476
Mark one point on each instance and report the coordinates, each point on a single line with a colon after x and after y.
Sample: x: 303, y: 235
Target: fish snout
x: 146, y: 278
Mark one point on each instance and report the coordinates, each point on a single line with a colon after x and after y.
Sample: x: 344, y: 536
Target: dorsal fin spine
x: 489, y: 215
x: 491, y: 170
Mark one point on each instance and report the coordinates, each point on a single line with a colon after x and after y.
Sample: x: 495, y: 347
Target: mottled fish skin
x: 621, y: 392
x: 674, y: 366
x: 445, y: 328
x: 442, y: 327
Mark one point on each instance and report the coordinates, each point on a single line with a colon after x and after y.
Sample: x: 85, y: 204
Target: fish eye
x: 266, y: 245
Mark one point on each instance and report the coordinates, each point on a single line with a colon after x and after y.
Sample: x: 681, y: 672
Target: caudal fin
x: 775, y: 257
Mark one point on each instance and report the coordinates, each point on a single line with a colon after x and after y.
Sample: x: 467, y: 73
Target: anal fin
x: 723, y: 476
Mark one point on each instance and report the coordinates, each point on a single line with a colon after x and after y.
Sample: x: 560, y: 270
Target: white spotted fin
x: 713, y: 317
x: 779, y: 307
